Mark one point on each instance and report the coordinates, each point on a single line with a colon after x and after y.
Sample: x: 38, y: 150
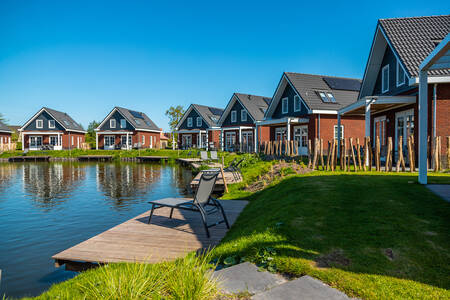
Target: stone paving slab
x: 246, y: 277
x: 304, y: 287
x: 442, y: 190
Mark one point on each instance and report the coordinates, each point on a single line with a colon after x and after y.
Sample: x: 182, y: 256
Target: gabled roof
x: 4, y: 127
x: 62, y: 118
x: 256, y: 106
x: 414, y: 38
x: 133, y: 117
x: 345, y: 90
x: 209, y: 114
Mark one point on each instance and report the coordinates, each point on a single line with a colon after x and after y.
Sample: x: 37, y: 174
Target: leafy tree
x: 175, y: 114
x: 90, y: 135
x: 2, y: 118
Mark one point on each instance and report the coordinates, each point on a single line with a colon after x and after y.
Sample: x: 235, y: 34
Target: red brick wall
x: 5, y: 137
x: 443, y: 115
x: 214, y: 136
x: 65, y: 137
x: 264, y: 134
x: 136, y: 137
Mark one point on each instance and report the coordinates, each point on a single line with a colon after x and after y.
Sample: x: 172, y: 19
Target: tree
x: 2, y: 118
x: 175, y: 114
x: 90, y: 135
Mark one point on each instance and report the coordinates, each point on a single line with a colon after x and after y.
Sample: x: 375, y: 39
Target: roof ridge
x: 415, y: 17
x: 319, y: 75
x: 207, y: 106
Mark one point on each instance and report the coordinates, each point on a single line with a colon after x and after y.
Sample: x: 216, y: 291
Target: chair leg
x: 223, y: 213
x: 171, y: 213
x: 151, y: 214
x: 204, y: 222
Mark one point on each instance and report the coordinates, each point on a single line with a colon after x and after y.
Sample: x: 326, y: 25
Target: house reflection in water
x: 6, y: 173
x: 51, y: 184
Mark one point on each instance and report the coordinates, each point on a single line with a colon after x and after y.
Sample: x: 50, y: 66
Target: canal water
x: 48, y: 207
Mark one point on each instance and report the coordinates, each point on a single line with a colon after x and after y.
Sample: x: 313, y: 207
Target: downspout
x: 434, y: 108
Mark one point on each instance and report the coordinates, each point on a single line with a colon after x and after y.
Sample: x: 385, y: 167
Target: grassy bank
x: 371, y: 235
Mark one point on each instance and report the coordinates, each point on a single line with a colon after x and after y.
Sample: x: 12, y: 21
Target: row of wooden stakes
x: 352, y: 153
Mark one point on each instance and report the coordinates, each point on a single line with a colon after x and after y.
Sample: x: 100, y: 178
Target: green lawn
x: 371, y: 235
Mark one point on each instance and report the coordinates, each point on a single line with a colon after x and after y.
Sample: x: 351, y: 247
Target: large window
x: 243, y: 115
x: 53, y: 140
x: 233, y: 116
x: 336, y: 131
x: 112, y: 123
x: 297, y: 104
x: 284, y: 105
x: 385, y: 79
x: 189, y: 122
x: 199, y: 121
x: 39, y: 123
x: 51, y: 123
x: 123, y: 123
x: 401, y: 76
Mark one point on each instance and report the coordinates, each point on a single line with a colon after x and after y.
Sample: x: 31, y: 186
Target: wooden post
x: 343, y: 155
x: 440, y: 153
x: 321, y: 154
x: 224, y: 180
x: 316, y: 153
x: 435, y: 154
x: 332, y: 154
x: 280, y: 150
x: 335, y: 154
x: 366, y: 153
x: 401, y: 160
x: 411, y: 166
x: 388, y: 167
x: 328, y: 155
x: 309, y: 154
x: 370, y: 153
x: 378, y: 149
x: 358, y: 154
x: 355, y: 164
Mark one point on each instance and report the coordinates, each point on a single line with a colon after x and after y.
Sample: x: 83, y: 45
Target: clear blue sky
x: 84, y: 58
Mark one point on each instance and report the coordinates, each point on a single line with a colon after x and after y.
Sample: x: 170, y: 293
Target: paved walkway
x: 442, y: 190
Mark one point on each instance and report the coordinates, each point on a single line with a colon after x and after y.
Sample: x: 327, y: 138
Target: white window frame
x: 385, y: 89
x: 112, y: 123
x: 123, y: 123
x: 199, y: 124
x: 189, y: 122
x: 243, y: 115
x: 297, y: 102
x: 51, y: 124
x: 335, y: 132
x: 39, y: 123
x: 233, y: 116
x: 399, y: 66
x: 285, y: 105
x: 143, y: 140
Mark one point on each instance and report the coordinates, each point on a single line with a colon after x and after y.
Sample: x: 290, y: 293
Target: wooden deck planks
x: 219, y: 187
x: 164, y: 239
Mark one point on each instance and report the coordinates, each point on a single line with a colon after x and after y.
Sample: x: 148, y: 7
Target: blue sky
x: 85, y: 57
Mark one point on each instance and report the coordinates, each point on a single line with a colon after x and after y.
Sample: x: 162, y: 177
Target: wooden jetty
x: 28, y: 158
x: 95, y: 158
x: 151, y: 158
x: 136, y: 241
x: 189, y: 161
x: 219, y: 187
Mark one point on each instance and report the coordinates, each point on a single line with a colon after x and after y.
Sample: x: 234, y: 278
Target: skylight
x: 323, y: 97
x: 327, y: 97
x: 331, y: 97
x: 66, y: 122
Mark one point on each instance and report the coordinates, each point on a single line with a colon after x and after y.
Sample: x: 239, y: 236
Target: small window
x: 284, y: 105
x: 323, y: 97
x: 331, y: 97
x: 138, y: 122
x: 66, y: 122
x: 243, y: 115
x: 297, y: 104
x: 233, y: 116
x: 39, y: 123
x: 400, y: 74
x: 51, y: 123
x: 112, y: 123
x: 189, y: 122
x: 385, y: 79
x: 123, y: 123
x: 199, y: 121
x: 336, y: 131
x: 143, y: 140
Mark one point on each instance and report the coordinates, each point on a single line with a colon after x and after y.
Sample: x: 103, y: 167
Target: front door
x: 247, y: 141
x: 404, y: 127
x: 230, y: 141
x: 35, y: 142
x: 186, y: 141
x: 301, y: 139
x: 109, y: 142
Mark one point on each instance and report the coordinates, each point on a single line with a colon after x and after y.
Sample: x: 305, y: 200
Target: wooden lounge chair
x: 204, y: 155
x: 202, y: 202
x: 214, y: 155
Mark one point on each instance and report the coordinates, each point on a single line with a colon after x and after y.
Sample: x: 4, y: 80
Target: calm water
x: 48, y: 207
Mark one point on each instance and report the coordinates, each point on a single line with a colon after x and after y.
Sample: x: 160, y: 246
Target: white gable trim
x: 188, y: 111
x: 109, y: 115
x: 284, y: 81
x: 227, y: 110
x: 38, y: 113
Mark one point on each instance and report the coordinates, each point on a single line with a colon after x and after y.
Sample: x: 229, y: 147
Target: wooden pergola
x: 438, y: 59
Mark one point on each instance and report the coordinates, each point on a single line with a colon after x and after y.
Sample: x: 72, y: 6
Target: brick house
x: 51, y: 129
x: 389, y: 93
x: 123, y: 128
x: 198, y: 127
x: 239, y: 122
x: 5, y: 136
x: 304, y: 107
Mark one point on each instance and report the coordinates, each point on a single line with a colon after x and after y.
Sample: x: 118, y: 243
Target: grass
x: 371, y: 235
x: 183, y: 279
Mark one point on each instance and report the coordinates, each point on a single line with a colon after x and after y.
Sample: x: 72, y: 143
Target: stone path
x: 442, y: 190
x: 263, y: 285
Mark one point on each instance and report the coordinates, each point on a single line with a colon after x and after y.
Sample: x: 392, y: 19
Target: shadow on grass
x: 367, y: 224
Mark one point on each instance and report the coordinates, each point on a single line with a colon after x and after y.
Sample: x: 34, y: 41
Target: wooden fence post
x: 343, y: 155
x: 401, y: 160
x: 328, y: 155
x: 440, y: 153
x: 366, y: 153
x: 309, y: 154
x: 355, y: 164
x: 321, y: 154
x: 332, y: 155
x: 389, y: 155
x: 411, y: 166
x: 370, y: 153
x: 358, y: 153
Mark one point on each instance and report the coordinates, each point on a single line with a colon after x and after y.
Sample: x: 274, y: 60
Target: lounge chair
x: 202, y: 202
x: 234, y: 168
x: 204, y: 155
x: 214, y: 155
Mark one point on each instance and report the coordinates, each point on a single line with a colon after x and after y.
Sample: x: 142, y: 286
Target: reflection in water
x: 6, y: 173
x: 49, y: 184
